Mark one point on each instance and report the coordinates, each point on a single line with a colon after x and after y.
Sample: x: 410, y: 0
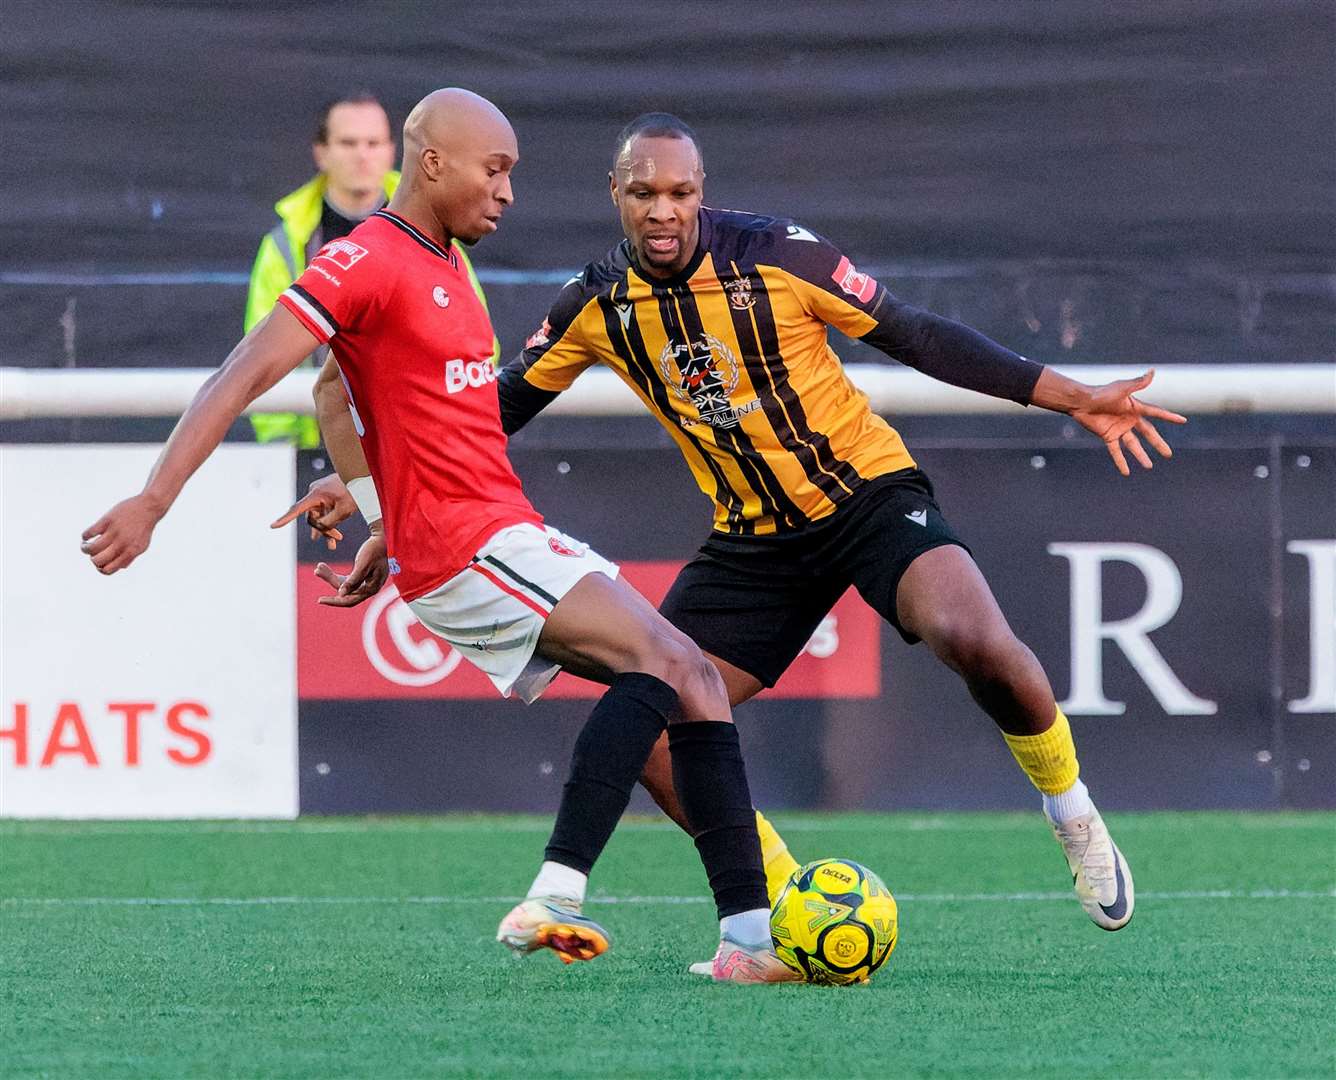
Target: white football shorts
x: 493, y: 610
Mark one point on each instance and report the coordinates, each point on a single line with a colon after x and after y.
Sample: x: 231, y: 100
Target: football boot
x: 739, y: 963
x: 556, y: 923
x: 1100, y: 874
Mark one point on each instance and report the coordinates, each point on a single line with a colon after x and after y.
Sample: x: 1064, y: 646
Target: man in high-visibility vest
x: 354, y: 151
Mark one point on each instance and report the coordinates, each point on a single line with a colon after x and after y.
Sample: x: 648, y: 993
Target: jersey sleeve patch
x: 342, y: 253
x: 862, y: 287
x: 539, y: 337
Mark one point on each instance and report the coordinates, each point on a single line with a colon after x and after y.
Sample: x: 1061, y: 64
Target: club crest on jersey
x: 342, y: 253
x: 440, y: 297
x: 703, y: 373
x: 860, y: 286
x: 739, y: 292
x: 560, y: 548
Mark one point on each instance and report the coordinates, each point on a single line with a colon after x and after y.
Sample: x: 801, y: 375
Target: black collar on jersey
x: 418, y: 235
x: 693, y: 264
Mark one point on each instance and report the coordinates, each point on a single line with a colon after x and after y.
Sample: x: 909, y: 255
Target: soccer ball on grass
x: 835, y: 922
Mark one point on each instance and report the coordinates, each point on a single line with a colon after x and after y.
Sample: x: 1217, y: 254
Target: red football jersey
x: 414, y: 344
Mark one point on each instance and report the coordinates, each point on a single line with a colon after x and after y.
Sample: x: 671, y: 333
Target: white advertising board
x: 167, y: 690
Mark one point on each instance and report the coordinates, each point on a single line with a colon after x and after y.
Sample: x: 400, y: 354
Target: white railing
x: 31, y: 393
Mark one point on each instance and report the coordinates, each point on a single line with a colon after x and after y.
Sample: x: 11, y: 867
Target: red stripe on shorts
x: 508, y: 590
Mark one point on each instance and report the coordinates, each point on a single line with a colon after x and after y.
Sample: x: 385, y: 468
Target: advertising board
x: 167, y: 690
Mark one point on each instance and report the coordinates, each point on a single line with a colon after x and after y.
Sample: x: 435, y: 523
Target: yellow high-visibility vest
x: 279, y: 262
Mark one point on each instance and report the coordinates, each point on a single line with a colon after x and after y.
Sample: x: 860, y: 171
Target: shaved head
x: 459, y: 149
x: 451, y: 118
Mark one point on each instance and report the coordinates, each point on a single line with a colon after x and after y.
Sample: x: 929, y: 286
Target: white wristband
x: 363, y: 491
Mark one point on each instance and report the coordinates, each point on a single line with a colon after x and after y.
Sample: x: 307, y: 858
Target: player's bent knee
x: 702, y: 694
x: 655, y: 653
x: 681, y: 663
x: 706, y: 697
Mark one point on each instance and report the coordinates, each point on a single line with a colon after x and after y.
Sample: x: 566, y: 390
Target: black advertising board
x: 1185, y: 617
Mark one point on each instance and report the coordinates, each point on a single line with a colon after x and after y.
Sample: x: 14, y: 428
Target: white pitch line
x: 1008, y: 821
x: 908, y: 898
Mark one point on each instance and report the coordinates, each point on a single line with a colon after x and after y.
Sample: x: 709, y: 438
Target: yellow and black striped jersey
x: 732, y: 356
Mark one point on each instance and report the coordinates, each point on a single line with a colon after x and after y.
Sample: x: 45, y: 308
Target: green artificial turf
x: 366, y: 950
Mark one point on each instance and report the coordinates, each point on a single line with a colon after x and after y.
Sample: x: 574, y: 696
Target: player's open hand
x: 370, y: 571
x: 1114, y: 414
x: 326, y: 503
x: 122, y: 534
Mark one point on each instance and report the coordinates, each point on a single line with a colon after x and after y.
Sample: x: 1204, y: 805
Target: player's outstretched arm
x: 275, y: 347
x: 1111, y: 412
x: 833, y: 290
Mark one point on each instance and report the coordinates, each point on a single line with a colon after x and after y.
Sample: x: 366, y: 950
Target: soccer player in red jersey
x: 470, y: 554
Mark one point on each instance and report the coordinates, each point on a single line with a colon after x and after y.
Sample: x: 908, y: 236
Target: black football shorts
x: 755, y: 601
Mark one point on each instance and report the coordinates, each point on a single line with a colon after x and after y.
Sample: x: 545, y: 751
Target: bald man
x: 470, y: 555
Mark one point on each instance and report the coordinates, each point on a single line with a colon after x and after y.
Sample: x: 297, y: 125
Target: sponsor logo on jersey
x: 797, y: 232
x: 704, y: 373
x: 739, y: 292
x: 342, y: 253
x: 919, y: 517
x: 624, y: 313
x: 440, y: 297
x: 466, y: 374
x: 860, y: 286
x: 540, y: 337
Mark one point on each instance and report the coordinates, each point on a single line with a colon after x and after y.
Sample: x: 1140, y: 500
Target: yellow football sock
x: 1049, y: 758
x: 779, y: 864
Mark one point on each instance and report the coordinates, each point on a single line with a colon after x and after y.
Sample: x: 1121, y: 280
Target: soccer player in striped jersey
x: 476, y: 562
x: 718, y: 321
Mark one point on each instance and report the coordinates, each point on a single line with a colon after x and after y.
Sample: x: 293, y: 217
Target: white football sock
x: 748, y: 927
x: 556, y: 880
x: 1072, y: 803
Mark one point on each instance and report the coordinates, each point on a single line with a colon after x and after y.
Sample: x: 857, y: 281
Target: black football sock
x: 609, y: 757
x: 711, y: 782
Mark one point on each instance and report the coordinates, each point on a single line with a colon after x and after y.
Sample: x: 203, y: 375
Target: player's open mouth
x: 661, y: 245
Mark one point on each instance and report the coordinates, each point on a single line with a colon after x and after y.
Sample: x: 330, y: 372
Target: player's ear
x: 319, y: 154
x: 612, y: 185
x: 429, y: 160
